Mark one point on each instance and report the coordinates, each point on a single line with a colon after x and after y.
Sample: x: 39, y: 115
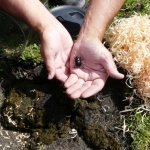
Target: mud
x: 41, y: 111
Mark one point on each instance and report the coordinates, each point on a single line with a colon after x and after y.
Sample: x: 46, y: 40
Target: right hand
x: 56, y: 44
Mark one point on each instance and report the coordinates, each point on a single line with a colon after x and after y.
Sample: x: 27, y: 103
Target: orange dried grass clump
x: 129, y: 41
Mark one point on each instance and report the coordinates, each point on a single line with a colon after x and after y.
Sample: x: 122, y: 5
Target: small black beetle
x: 78, y: 61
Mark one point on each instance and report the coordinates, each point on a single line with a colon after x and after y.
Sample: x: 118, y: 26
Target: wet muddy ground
x: 37, y: 114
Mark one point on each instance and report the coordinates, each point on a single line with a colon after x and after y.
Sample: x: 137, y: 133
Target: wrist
x: 50, y: 24
x: 86, y: 40
x: 92, y: 29
x: 87, y: 33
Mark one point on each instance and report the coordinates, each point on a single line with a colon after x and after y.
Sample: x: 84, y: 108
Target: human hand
x: 56, y: 45
x: 56, y: 42
x: 97, y: 65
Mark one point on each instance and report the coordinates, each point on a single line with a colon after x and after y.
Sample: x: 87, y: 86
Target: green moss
x: 47, y: 117
x: 94, y: 135
x: 131, y: 7
x: 94, y: 106
x: 32, y: 54
x: 99, y: 138
x: 140, y: 131
x: 32, y: 51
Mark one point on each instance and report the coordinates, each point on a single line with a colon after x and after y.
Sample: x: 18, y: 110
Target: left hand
x: 97, y: 65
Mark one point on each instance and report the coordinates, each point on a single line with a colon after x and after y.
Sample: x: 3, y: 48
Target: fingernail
x: 49, y: 76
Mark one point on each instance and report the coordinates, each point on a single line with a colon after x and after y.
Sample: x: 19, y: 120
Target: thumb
x: 111, y: 69
x: 113, y: 72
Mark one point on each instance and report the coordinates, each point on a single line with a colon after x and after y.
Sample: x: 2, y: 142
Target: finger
x: 113, y: 72
x: 49, y: 62
x: 79, y: 91
x: 75, y: 86
x: 50, y: 65
x: 82, y: 73
x: 95, y: 87
x: 62, y: 74
x: 71, y: 80
x: 111, y: 68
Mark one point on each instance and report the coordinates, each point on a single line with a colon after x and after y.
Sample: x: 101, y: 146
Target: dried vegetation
x: 129, y: 42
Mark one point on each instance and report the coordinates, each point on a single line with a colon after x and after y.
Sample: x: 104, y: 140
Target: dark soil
x: 37, y: 114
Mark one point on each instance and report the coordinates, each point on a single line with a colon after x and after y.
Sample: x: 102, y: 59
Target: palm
x: 91, y: 76
x: 91, y: 68
x: 55, y: 49
x: 62, y: 57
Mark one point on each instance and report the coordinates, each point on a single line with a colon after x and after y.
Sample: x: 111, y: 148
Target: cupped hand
x: 56, y: 44
x: 96, y: 65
